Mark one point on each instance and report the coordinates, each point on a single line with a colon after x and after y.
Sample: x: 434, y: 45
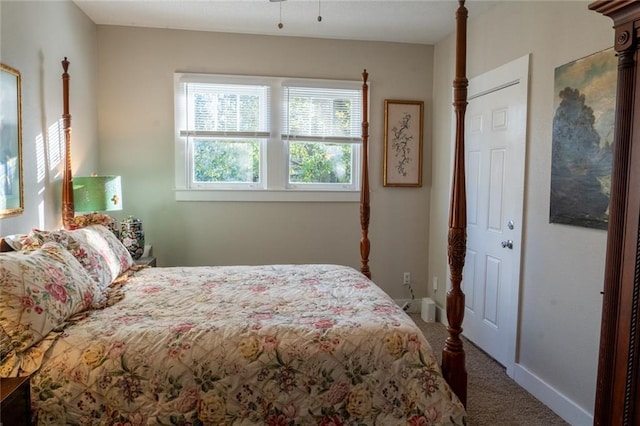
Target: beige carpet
x: 493, y: 399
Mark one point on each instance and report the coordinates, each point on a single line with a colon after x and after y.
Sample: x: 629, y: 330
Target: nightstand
x: 15, y: 405
x: 146, y: 261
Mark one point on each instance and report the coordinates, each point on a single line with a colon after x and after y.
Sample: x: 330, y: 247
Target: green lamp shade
x: 97, y: 194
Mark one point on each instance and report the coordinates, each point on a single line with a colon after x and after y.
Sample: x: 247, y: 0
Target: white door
x: 495, y: 137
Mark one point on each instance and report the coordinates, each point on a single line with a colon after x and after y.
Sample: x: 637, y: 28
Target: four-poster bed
x: 453, y: 356
x: 287, y: 344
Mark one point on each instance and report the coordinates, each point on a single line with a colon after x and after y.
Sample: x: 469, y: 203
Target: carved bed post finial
x: 67, y: 179
x: 364, y: 185
x: 453, y: 356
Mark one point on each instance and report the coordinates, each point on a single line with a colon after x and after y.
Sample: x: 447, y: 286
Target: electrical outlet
x: 435, y: 283
x: 406, y: 278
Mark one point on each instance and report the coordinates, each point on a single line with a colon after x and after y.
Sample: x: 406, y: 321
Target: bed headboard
x: 365, y: 245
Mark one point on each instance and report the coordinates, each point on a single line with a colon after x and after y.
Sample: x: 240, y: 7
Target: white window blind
x: 322, y: 114
x: 226, y: 110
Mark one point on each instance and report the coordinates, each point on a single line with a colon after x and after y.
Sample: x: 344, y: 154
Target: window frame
x: 274, y: 184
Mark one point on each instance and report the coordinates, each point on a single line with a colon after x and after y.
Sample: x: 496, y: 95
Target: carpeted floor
x: 493, y: 398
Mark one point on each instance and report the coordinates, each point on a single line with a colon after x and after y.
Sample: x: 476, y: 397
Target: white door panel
x: 495, y: 158
x: 496, y: 189
x: 473, y: 181
x: 492, y: 285
x: 469, y: 282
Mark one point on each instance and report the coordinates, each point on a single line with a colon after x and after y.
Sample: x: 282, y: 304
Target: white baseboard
x: 441, y: 315
x: 552, y: 398
x: 570, y: 412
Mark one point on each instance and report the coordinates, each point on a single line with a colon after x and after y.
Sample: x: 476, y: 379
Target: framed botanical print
x: 11, y: 191
x: 403, y: 121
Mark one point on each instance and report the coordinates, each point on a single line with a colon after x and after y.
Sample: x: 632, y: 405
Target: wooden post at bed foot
x: 67, y: 180
x: 453, y: 356
x: 364, y: 185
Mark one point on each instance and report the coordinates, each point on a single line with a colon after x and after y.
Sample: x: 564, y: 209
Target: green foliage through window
x: 226, y: 160
x: 311, y: 162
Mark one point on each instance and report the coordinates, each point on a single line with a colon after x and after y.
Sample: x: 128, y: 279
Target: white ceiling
x: 417, y: 21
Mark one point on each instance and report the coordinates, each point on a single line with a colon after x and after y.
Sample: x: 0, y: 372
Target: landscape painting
x: 582, y: 141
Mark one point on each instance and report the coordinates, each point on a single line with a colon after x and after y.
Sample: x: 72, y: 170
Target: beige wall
x: 135, y: 121
x: 563, y: 266
x: 35, y: 37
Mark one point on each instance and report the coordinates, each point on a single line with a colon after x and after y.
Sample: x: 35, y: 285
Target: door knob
x: 507, y: 244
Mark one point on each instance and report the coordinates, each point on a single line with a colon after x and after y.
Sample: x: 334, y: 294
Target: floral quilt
x: 244, y: 345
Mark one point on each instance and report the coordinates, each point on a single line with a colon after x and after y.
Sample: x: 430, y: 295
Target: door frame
x: 514, y: 73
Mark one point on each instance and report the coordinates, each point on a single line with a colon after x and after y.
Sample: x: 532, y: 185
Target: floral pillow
x: 15, y: 241
x: 89, y: 255
x: 39, y: 290
x: 117, y: 248
x: 96, y: 248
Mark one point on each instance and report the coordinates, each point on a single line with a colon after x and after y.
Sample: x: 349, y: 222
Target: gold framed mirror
x: 11, y: 187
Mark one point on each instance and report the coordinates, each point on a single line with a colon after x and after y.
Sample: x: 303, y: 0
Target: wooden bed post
x: 364, y: 185
x: 67, y: 180
x: 453, y: 356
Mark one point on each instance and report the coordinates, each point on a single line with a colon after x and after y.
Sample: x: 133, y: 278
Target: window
x: 322, y: 126
x: 259, y: 138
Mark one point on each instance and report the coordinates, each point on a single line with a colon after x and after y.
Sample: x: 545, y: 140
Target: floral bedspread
x: 244, y: 345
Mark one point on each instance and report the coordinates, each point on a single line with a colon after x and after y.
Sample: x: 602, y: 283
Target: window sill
x: 268, y: 196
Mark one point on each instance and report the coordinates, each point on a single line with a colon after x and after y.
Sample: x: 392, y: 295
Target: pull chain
x: 281, y: 25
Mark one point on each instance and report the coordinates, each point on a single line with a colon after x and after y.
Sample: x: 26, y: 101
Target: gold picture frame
x: 403, y: 139
x: 11, y: 187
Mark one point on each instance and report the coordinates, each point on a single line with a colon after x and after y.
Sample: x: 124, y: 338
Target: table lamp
x: 93, y: 194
